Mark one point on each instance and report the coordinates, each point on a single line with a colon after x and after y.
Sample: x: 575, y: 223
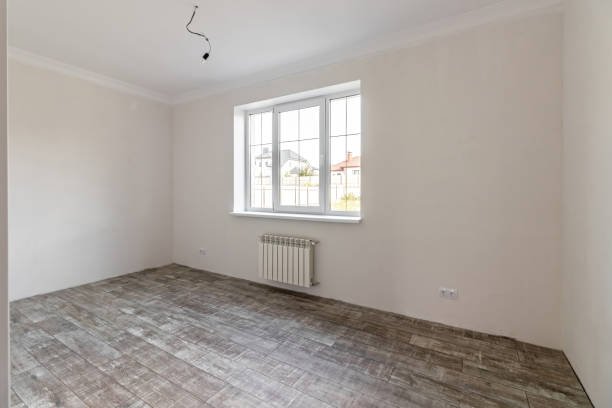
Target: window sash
x: 287, y: 107
x: 328, y: 163
x: 248, y: 169
x: 324, y: 206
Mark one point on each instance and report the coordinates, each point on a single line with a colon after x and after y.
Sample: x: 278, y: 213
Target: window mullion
x: 323, y: 157
x: 247, y: 162
x: 275, y: 161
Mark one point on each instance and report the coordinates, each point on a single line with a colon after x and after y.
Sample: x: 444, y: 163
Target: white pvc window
x: 305, y: 156
x: 260, y: 162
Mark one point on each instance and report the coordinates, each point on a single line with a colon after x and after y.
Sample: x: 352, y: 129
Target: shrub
x: 306, y: 172
x: 350, y: 197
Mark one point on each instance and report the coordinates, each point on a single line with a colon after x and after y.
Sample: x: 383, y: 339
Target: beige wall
x: 4, y: 335
x: 587, y: 192
x: 89, y: 182
x: 466, y: 129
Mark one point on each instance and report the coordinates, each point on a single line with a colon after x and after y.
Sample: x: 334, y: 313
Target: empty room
x: 324, y: 203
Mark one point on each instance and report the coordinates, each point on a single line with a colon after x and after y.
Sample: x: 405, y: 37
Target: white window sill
x: 299, y: 217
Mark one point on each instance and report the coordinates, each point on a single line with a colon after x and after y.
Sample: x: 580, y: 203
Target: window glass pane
x: 299, y: 157
x: 353, y: 114
x: 353, y: 146
x: 255, y: 129
x: 338, y: 116
x: 309, y: 123
x: 266, y: 127
x: 289, y: 169
x: 337, y: 150
x: 309, y: 173
x: 266, y: 176
x: 337, y: 173
x: 260, y: 160
x: 256, y: 176
x: 345, y: 155
x: 309, y: 151
x: 352, y: 199
x: 288, y: 126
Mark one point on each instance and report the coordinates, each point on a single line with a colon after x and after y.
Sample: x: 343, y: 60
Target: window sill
x: 299, y: 217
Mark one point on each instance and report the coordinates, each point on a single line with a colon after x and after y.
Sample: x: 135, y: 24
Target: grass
x: 347, y: 204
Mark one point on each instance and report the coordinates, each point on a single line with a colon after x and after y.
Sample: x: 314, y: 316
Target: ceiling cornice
x: 29, y: 58
x: 504, y: 10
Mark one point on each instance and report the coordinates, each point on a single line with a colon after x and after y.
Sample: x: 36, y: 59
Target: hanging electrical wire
x: 207, y: 53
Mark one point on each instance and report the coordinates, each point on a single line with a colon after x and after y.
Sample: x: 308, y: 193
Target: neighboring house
x: 290, y: 163
x: 347, y: 172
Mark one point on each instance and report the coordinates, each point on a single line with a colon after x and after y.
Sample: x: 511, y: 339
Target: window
x: 305, y: 156
x: 260, y: 155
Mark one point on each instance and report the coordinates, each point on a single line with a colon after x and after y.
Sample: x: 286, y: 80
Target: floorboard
x: 178, y: 337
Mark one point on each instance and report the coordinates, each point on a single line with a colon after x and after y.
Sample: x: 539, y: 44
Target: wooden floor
x: 178, y: 337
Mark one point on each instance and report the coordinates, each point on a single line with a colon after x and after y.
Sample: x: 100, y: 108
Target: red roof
x: 348, y: 163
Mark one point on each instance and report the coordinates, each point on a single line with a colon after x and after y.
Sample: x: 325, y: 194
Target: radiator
x: 288, y: 260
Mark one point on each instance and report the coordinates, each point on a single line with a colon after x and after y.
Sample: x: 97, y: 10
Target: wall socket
x: 449, y: 293
x: 203, y: 251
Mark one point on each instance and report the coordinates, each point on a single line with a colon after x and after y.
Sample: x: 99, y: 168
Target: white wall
x: 4, y: 333
x: 587, y: 193
x: 469, y: 128
x: 89, y: 182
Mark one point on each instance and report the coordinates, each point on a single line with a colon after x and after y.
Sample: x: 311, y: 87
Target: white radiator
x: 287, y: 259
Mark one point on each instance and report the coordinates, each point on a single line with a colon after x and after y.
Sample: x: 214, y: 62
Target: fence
x: 302, y: 191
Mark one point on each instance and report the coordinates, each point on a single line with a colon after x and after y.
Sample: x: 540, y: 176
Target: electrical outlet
x: 449, y: 293
x: 203, y: 251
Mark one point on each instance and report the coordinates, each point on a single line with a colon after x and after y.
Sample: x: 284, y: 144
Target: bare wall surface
x: 461, y: 182
x: 587, y: 210
x: 89, y: 182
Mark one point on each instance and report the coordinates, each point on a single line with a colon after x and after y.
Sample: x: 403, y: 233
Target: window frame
x: 247, y: 156
x: 328, y: 99
x: 324, y: 207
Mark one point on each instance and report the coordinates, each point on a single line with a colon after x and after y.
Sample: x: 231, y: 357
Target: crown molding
x: 504, y: 10
x: 29, y: 58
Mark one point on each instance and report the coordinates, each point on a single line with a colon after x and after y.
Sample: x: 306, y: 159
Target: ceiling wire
x: 207, y: 53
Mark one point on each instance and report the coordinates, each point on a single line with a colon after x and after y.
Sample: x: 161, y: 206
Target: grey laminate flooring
x: 179, y: 337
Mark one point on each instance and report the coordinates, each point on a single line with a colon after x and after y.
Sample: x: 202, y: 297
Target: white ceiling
x: 144, y: 42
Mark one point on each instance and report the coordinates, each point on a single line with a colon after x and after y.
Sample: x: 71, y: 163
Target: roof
x: 285, y: 156
x: 351, y: 162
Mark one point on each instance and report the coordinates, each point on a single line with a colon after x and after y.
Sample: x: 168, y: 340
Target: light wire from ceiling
x: 207, y: 53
